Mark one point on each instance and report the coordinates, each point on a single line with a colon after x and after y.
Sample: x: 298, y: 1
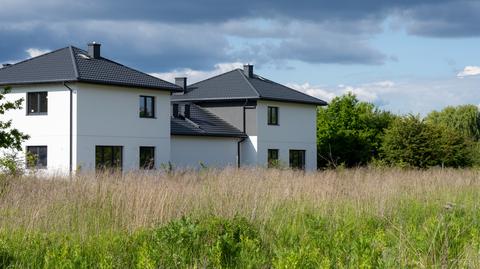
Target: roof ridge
x: 214, y: 77
x: 36, y: 57
x: 249, y: 84
x: 74, y: 62
x: 271, y: 81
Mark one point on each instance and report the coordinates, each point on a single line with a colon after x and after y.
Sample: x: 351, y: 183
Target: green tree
x: 10, y: 138
x: 416, y: 142
x: 349, y: 132
x: 464, y: 119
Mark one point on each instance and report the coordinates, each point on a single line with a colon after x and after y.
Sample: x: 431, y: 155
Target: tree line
x: 352, y: 133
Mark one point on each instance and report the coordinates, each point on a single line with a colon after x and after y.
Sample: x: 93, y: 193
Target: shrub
x: 413, y: 142
x: 349, y: 132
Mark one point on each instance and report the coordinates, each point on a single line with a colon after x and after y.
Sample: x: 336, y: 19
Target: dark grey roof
x: 203, y: 123
x: 235, y: 85
x: 73, y: 64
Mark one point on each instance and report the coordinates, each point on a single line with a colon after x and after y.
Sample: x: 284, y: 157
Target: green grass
x: 437, y: 226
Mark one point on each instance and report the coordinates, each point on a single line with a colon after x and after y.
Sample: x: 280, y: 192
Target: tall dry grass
x: 91, y: 204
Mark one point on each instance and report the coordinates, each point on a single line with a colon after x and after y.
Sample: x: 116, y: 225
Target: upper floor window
x: 272, y: 115
x: 147, y: 107
x: 36, y: 157
x: 37, y: 103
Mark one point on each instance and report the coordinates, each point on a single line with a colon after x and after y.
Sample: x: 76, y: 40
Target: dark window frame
x: 297, y: 161
x: 39, y: 162
x: 114, y: 165
x: 143, y: 164
x: 39, y: 108
x: 272, y: 156
x: 143, y: 101
x: 272, y: 116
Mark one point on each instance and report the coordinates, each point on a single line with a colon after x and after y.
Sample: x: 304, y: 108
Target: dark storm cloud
x: 162, y: 35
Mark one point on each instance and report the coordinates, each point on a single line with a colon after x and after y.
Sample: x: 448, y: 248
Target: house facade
x: 279, y: 122
x: 83, y: 112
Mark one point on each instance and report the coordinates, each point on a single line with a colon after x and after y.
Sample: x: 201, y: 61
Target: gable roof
x: 235, y: 85
x: 72, y: 64
x: 203, y: 123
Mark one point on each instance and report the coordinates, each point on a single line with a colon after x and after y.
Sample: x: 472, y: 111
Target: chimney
x: 248, y: 70
x: 186, y: 111
x: 94, y: 50
x: 182, y: 82
x: 175, y: 111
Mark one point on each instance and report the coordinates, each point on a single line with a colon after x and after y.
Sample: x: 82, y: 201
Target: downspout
x: 70, y: 162
x: 244, y: 131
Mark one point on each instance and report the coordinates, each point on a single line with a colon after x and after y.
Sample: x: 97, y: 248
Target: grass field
x: 253, y: 218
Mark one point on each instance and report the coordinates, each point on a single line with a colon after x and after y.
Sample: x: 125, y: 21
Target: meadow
x: 247, y: 218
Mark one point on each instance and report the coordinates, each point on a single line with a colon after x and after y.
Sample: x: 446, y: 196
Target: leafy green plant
x: 414, y: 142
x: 349, y: 132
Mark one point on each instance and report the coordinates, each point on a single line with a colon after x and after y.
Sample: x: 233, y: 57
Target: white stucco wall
x: 109, y: 116
x: 296, y: 131
x: 248, y: 151
x: 190, y: 151
x: 51, y: 130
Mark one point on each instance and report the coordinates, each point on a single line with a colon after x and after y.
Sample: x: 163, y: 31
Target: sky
x: 405, y: 56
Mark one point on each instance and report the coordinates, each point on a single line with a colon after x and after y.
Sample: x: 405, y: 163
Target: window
x: 37, y: 157
x: 272, y: 115
x: 108, y: 157
x: 37, y: 103
x: 272, y: 157
x: 297, y: 159
x: 147, y: 157
x: 147, y: 107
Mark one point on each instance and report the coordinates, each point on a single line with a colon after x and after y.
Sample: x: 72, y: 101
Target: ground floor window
x: 272, y: 157
x: 36, y: 157
x: 147, y: 157
x: 108, y: 157
x: 297, y: 159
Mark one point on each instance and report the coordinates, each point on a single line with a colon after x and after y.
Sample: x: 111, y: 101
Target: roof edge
x: 243, y: 135
x: 216, y: 99
x: 92, y: 81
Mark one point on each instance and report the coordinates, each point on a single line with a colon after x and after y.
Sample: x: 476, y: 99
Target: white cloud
x: 33, y: 52
x: 196, y: 75
x: 315, y: 91
x: 369, y: 92
x: 469, y: 71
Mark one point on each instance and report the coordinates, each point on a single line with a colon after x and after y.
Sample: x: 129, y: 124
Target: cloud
x: 197, y: 75
x: 469, y: 71
x: 315, y: 91
x: 33, y: 52
x: 368, y: 92
x: 159, y: 35
x: 418, y: 97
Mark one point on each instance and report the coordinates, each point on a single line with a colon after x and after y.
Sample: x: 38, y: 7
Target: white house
x: 279, y: 122
x: 83, y: 111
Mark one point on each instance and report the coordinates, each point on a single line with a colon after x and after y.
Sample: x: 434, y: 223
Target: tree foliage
x: 10, y: 138
x: 464, y: 119
x: 349, y: 132
x: 415, y: 142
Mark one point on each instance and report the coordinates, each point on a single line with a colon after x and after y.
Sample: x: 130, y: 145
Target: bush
x: 349, y: 132
x: 413, y: 142
x: 211, y: 242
